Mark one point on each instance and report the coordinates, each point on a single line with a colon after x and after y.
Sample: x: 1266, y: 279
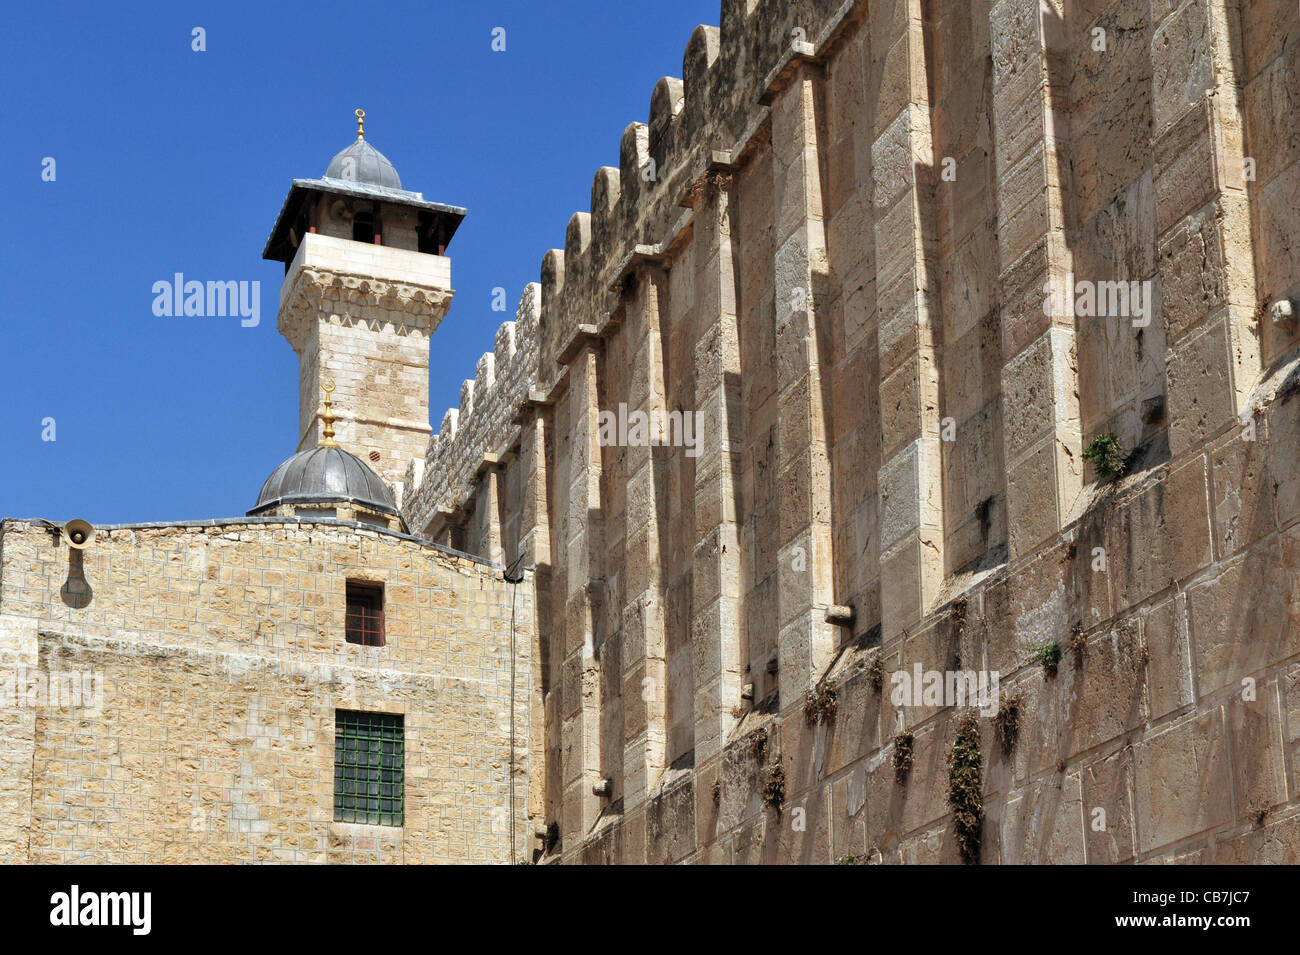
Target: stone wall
x: 222, y: 657
x: 832, y: 242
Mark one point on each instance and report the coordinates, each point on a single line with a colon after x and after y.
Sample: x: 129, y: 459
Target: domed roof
x: 362, y: 162
x: 322, y: 475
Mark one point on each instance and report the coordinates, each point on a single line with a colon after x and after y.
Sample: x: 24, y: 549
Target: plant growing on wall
x: 774, y: 787
x: 819, y: 705
x: 904, y: 743
x: 1047, y: 656
x: 966, y: 788
x: 1106, y: 455
x: 1006, y: 725
x: 1077, y: 644
x: 876, y: 673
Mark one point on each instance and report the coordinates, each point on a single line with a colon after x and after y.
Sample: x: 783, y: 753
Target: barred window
x: 365, y: 613
x: 368, y: 768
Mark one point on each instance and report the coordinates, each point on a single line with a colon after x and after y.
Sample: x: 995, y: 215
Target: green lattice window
x: 368, y: 768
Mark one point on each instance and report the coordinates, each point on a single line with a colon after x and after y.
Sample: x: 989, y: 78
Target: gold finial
x: 328, y: 416
x: 361, y: 123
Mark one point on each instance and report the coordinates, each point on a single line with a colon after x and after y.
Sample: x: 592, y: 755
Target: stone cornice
x: 315, y: 293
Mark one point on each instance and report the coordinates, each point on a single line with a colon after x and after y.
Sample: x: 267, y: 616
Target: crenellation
x: 484, y: 423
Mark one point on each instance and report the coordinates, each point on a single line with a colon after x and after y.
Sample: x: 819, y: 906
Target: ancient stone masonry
x: 910, y: 264
x: 221, y: 666
x: 951, y: 514
x: 458, y: 456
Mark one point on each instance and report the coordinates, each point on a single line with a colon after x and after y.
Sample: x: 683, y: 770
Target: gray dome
x: 322, y: 475
x: 362, y: 162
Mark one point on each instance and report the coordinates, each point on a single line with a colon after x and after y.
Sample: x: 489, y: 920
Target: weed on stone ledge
x: 966, y: 788
x: 876, y: 673
x: 1106, y: 455
x: 819, y: 705
x: 1077, y: 644
x: 774, y: 787
x: 1047, y: 656
x: 957, y: 613
x: 1006, y: 725
x: 904, y: 743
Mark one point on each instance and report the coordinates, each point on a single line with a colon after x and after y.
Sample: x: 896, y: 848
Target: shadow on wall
x: 76, y: 591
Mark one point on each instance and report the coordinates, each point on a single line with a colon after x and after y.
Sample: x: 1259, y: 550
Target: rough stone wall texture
x: 222, y: 655
x: 831, y: 242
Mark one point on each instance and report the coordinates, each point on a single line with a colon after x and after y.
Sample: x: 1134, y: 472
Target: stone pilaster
x: 805, y: 641
x: 1203, y: 220
x: 583, y: 593
x: 1043, y: 446
x: 911, y: 472
x: 488, y: 513
x: 644, y: 650
x: 535, y: 553
x: 719, y: 432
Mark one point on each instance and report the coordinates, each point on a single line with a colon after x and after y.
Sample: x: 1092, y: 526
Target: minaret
x: 367, y: 281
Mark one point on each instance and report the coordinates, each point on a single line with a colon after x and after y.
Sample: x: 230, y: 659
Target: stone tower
x: 367, y: 281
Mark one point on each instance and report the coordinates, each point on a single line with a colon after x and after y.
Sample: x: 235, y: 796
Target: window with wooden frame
x: 365, y: 613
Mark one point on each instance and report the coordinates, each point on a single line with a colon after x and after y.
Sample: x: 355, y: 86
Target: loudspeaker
x: 79, y: 534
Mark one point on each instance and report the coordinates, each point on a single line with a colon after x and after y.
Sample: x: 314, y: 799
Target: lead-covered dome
x: 324, y: 475
x: 362, y: 162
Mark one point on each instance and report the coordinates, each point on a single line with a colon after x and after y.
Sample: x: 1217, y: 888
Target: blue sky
x: 169, y: 160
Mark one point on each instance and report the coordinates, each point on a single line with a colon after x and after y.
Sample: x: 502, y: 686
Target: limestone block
x: 1181, y: 781
x: 895, y: 809
x: 1043, y: 824
x: 1278, y: 249
x: 1169, y: 667
x: 1031, y: 497
x: 1108, y: 786
x: 1192, y: 283
x: 1182, y: 60
x: 1255, y: 727
x: 864, y: 719
x: 1146, y: 548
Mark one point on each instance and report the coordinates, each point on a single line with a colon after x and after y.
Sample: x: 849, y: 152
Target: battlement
x: 483, y: 424
x: 708, y: 116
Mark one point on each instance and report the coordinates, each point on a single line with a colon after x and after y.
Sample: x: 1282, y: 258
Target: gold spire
x: 327, y: 416
x: 361, y: 123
